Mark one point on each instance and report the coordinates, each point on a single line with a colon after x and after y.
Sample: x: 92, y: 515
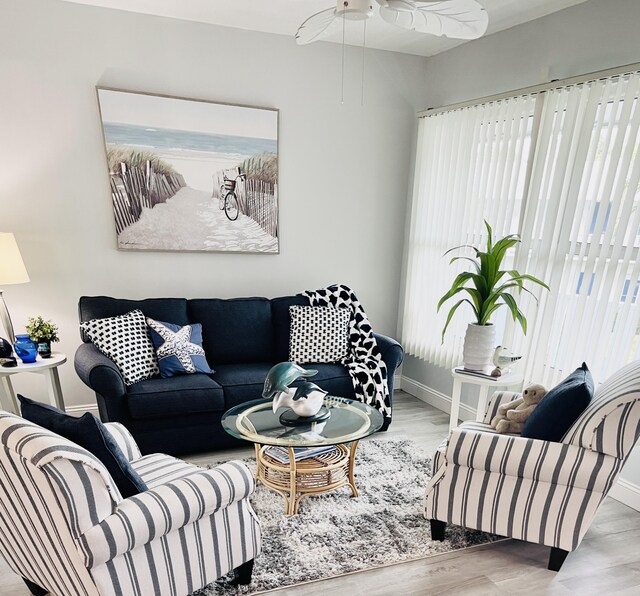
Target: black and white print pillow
x: 126, y: 341
x: 318, y: 334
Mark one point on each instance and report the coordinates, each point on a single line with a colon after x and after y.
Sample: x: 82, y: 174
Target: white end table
x: 508, y: 380
x: 47, y: 367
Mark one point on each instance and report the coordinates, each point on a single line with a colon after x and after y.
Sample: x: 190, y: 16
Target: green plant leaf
x: 459, y: 247
x: 452, y: 312
x: 487, y: 315
x: 456, y: 287
x: 489, y: 235
x: 515, y: 311
x: 531, y: 278
x: 475, y: 263
x: 502, y: 246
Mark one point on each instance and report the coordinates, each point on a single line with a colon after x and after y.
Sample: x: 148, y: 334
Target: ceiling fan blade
x: 316, y: 27
x: 457, y: 19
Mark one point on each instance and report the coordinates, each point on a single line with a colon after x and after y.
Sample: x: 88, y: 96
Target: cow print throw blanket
x: 364, y: 362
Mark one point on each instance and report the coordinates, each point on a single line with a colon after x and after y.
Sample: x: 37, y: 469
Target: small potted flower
x: 43, y: 333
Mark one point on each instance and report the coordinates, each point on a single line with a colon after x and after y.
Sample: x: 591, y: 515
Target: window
x: 562, y: 169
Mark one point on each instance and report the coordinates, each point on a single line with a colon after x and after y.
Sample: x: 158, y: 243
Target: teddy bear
x: 512, y: 416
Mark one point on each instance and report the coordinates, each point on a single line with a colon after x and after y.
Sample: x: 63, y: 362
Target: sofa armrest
x: 125, y: 440
x: 392, y: 352
x: 544, y: 461
x: 496, y: 400
x: 154, y: 513
x: 99, y: 372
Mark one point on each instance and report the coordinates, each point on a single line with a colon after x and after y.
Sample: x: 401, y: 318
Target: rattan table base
x: 313, y: 476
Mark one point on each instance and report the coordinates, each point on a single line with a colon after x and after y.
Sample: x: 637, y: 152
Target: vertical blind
x: 470, y: 166
x: 572, y: 194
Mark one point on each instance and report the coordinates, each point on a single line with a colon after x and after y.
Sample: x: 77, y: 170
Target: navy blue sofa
x: 242, y: 338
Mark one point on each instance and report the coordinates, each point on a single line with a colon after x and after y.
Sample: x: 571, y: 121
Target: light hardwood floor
x: 607, y: 561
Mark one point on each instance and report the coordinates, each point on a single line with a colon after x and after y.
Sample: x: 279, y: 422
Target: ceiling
x: 284, y: 16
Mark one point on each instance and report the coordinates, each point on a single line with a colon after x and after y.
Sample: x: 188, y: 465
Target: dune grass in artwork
x: 263, y: 167
x: 135, y: 158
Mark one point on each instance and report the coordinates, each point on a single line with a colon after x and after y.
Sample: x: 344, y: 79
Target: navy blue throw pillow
x: 178, y: 349
x: 561, y: 407
x: 88, y: 432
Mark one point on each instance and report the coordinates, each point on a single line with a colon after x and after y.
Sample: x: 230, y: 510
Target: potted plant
x: 487, y: 289
x: 44, y: 333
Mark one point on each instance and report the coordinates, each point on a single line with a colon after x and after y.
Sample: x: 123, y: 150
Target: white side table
x: 508, y: 380
x: 47, y: 367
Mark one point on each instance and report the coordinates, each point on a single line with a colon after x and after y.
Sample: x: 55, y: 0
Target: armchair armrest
x: 99, y: 372
x: 154, y: 513
x: 544, y: 461
x: 124, y: 439
x: 496, y: 400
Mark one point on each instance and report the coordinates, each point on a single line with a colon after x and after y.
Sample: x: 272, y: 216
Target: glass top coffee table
x: 278, y: 469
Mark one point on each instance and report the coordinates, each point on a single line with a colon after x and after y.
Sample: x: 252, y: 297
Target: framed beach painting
x: 191, y: 175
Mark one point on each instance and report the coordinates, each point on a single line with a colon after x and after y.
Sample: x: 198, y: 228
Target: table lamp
x: 12, y: 271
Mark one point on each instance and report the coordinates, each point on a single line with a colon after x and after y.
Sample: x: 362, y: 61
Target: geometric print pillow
x: 318, y: 334
x: 126, y: 341
x: 179, y: 349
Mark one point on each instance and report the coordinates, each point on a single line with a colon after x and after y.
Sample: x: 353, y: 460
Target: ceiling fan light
x: 354, y: 10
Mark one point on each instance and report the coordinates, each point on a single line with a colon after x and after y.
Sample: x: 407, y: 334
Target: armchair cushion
x: 88, y: 432
x: 166, y: 508
x: 561, y: 407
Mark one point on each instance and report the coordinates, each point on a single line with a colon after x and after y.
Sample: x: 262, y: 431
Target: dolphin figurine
x: 306, y: 400
x: 281, y: 376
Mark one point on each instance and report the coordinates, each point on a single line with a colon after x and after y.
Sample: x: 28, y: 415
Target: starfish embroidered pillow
x: 178, y: 349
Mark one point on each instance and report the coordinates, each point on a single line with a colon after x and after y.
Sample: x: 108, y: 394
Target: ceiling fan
x: 457, y: 19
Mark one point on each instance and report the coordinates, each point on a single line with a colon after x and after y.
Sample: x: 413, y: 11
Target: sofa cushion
x: 184, y: 394
x: 88, y: 432
x: 234, y: 331
x: 161, y: 309
x: 281, y: 318
x: 178, y: 349
x: 125, y: 340
x: 244, y: 382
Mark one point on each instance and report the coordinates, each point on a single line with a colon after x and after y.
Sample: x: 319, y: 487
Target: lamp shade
x: 12, y: 269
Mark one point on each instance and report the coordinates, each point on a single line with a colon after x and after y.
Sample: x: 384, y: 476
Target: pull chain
x: 342, y: 83
x: 364, y: 47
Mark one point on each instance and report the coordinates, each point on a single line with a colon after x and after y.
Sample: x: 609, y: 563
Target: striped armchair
x: 65, y: 528
x: 533, y: 490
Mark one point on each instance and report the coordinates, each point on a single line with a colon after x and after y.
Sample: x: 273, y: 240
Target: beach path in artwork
x: 192, y: 220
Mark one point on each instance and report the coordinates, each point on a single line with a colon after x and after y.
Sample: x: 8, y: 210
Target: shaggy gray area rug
x: 334, y: 534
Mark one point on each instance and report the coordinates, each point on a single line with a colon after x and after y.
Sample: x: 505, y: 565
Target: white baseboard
x: 627, y: 493
x: 435, y: 398
x: 82, y: 409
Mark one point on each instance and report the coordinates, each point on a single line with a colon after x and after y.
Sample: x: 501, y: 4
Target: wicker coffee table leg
x: 352, y: 465
x: 291, y: 503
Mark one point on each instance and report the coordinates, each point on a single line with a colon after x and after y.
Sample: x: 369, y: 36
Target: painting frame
x: 257, y: 190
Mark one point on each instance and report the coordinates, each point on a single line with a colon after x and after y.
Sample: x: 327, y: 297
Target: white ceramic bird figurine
x: 305, y: 400
x: 502, y: 360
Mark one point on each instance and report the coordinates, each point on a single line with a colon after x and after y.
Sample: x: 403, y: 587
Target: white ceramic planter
x: 479, y: 345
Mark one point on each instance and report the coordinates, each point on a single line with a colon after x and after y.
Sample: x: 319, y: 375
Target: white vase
x: 479, y: 345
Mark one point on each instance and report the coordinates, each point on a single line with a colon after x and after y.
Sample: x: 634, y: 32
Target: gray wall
x: 596, y: 35
x: 344, y: 169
